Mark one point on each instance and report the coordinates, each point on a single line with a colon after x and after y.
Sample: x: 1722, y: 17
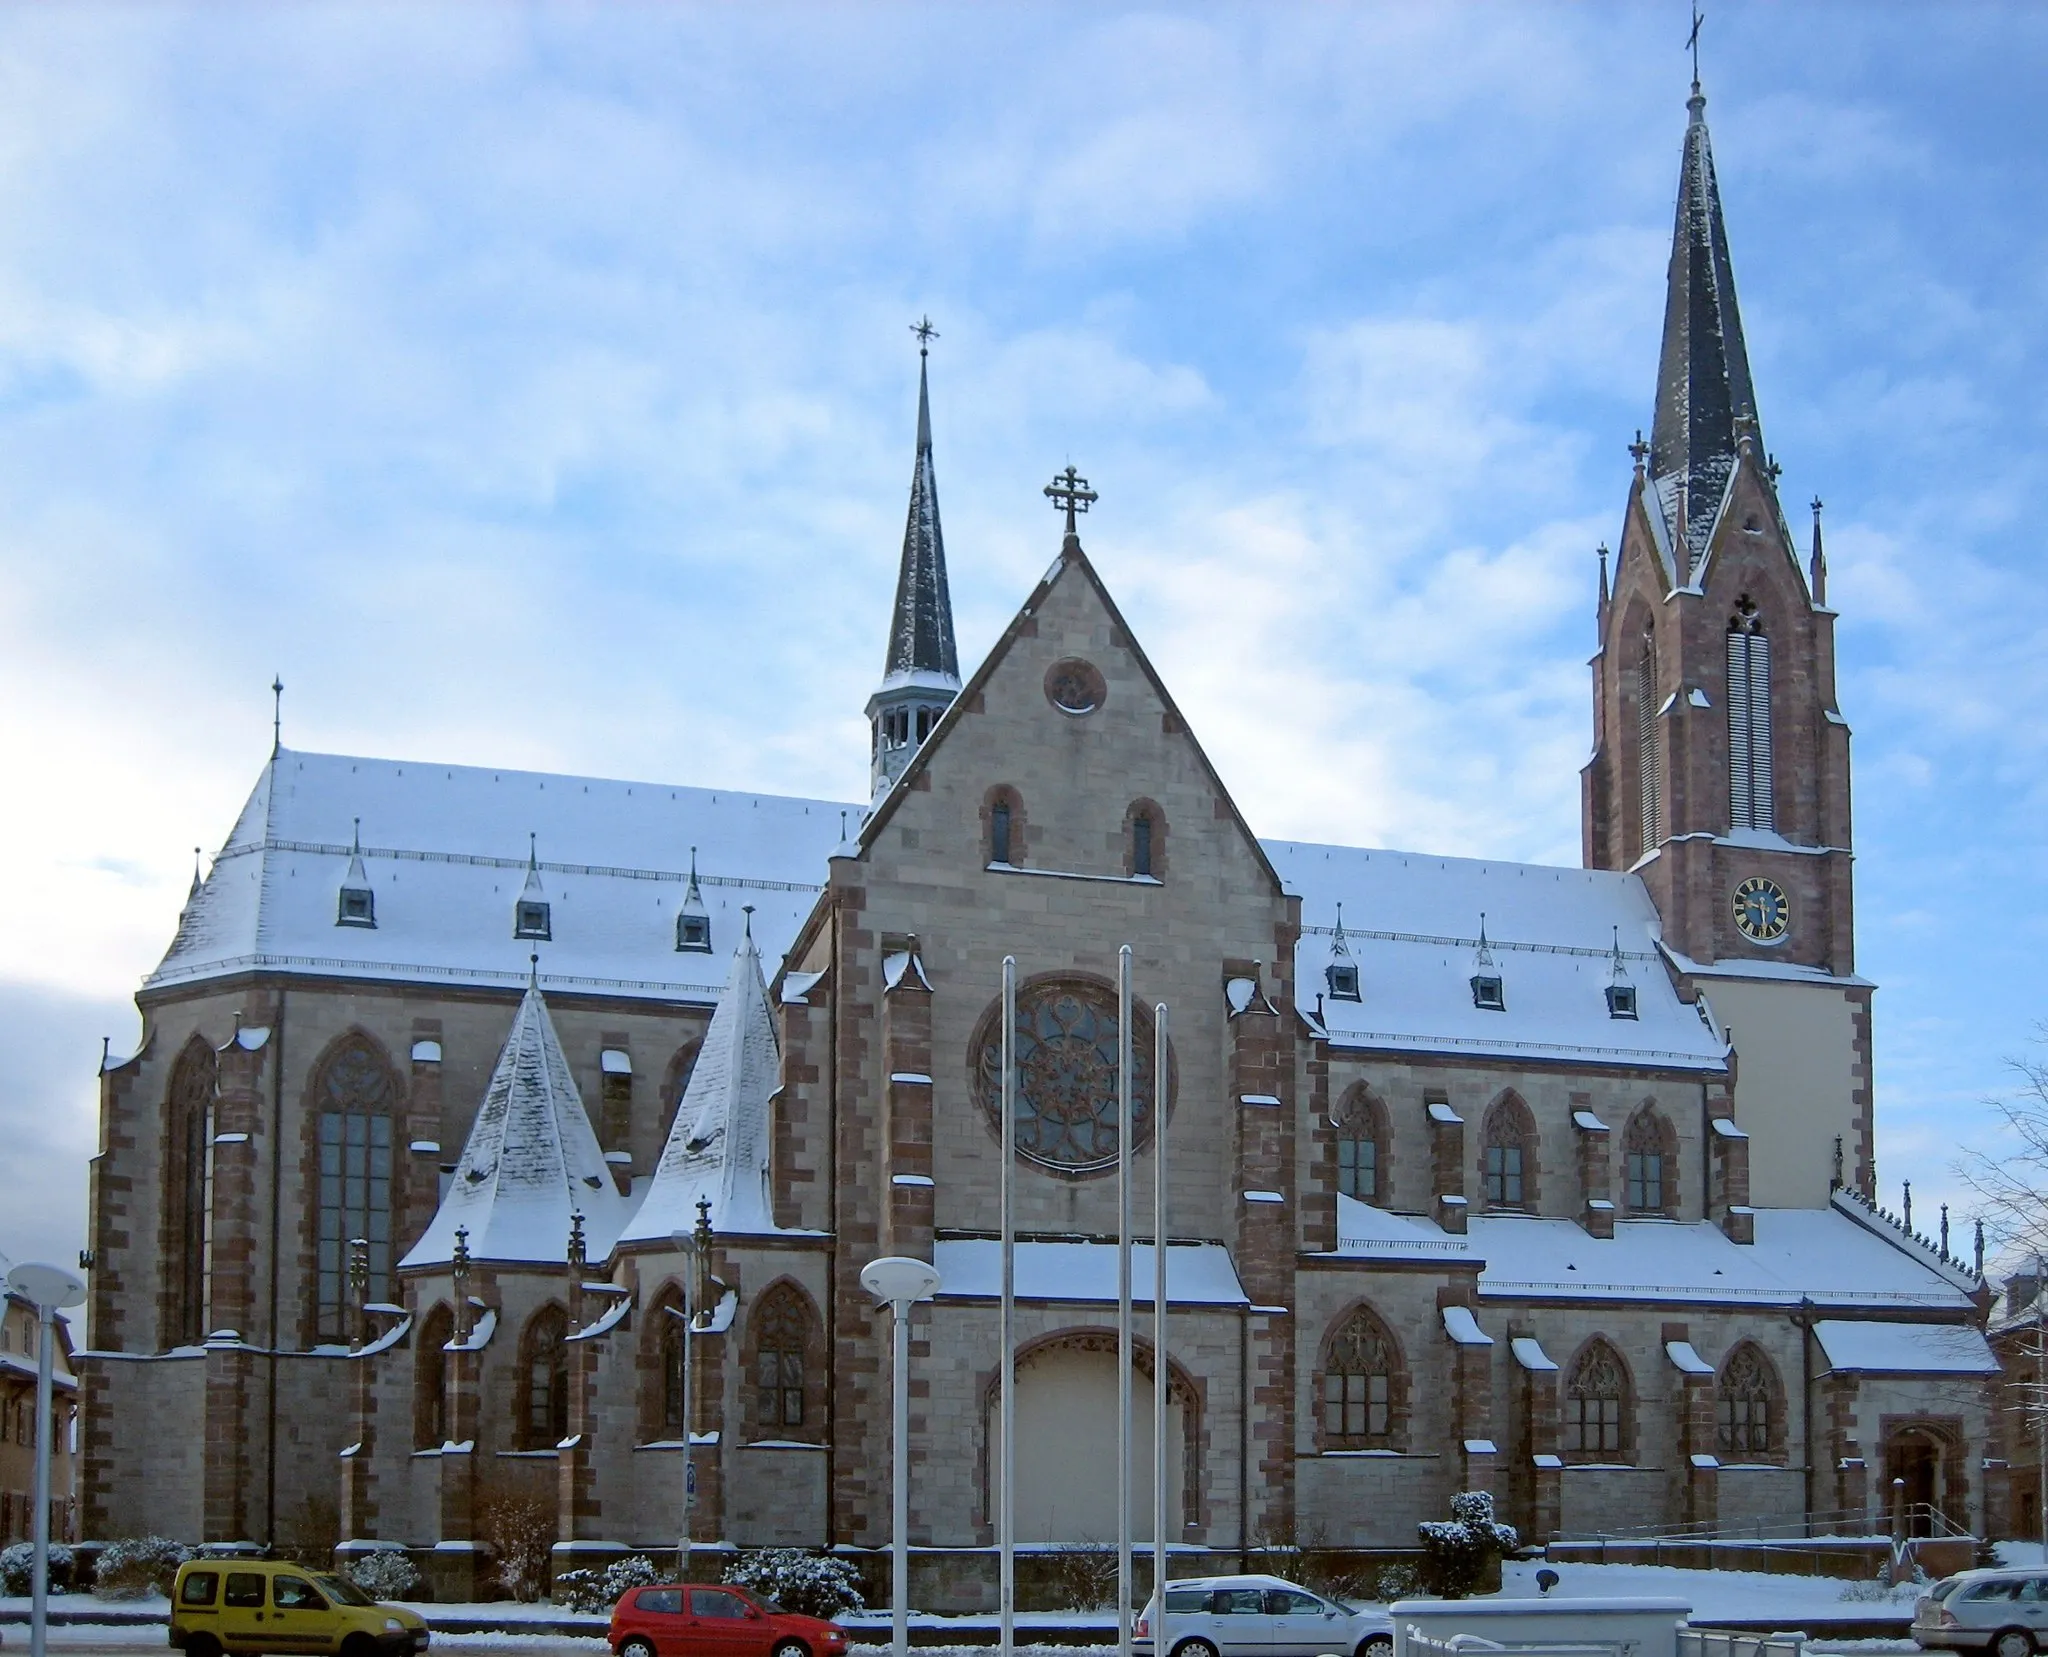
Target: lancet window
x: 1750, y: 801
x: 1596, y: 1406
x: 1748, y: 1414
x: 544, y: 1391
x: 188, y: 1195
x: 1649, y: 778
x: 1649, y: 1152
x: 355, y: 1099
x: 1363, y: 1385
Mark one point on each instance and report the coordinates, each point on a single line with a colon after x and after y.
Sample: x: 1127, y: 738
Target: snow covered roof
x: 445, y: 849
x: 1197, y: 1274
x: 531, y: 1164
x: 718, y: 1144
x: 1817, y: 1254
x: 1411, y: 928
x: 1905, y: 1348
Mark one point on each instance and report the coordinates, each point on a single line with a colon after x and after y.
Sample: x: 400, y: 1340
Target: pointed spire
x: 276, y: 714
x: 1705, y: 402
x: 1817, y: 566
x: 1338, y: 947
x: 531, y: 1164
x: 693, y: 920
x: 358, y: 903
x: 921, y: 628
x: 532, y: 888
x: 1604, y: 595
x: 197, y: 882
x: 717, y: 1148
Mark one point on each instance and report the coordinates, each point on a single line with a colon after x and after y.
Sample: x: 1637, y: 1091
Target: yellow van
x: 267, y: 1605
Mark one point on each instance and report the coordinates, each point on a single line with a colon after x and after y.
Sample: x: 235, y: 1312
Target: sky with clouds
x: 530, y: 386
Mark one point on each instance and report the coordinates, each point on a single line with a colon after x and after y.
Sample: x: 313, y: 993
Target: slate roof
x: 921, y: 625
x: 718, y: 1144
x: 531, y: 1162
x: 1703, y: 382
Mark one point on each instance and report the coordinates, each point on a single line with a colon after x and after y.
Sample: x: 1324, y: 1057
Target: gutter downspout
x: 1804, y: 1318
x: 836, y: 980
x: 276, y: 1229
x: 1244, y: 1438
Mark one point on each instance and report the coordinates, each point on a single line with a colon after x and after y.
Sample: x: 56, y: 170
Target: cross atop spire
x: 926, y: 333
x: 1070, y: 490
x: 1692, y: 43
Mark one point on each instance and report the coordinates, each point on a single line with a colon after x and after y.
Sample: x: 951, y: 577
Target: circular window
x: 1066, y: 1073
x: 1075, y: 686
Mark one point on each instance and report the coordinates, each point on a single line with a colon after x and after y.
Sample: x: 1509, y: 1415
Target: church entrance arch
x: 1066, y: 1441
x: 1924, y: 1475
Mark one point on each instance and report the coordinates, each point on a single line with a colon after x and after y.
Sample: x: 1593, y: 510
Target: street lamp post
x: 902, y: 1282
x: 696, y: 1250
x: 47, y: 1288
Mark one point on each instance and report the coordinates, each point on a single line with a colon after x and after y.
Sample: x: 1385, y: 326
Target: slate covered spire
x: 1705, y: 402
x: 921, y: 672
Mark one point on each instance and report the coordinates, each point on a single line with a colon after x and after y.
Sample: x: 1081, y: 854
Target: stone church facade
x: 458, y: 1085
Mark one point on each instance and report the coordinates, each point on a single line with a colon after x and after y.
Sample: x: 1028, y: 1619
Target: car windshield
x: 344, y: 1590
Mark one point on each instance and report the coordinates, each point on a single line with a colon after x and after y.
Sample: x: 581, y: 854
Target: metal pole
x: 1006, y: 1517
x: 689, y: 1513
x: 2041, y: 1405
x: 39, y: 1605
x: 1125, y: 1117
x: 1159, y: 1347
x: 899, y: 1565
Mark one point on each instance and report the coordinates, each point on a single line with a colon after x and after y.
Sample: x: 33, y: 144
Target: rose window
x: 1067, y: 1074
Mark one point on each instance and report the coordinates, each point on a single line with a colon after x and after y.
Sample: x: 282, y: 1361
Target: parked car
x: 1261, y: 1616
x: 691, y: 1620
x: 266, y: 1605
x: 2004, y: 1612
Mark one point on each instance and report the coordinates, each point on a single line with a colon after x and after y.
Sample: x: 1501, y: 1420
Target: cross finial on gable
x: 1070, y: 490
x: 1639, y: 450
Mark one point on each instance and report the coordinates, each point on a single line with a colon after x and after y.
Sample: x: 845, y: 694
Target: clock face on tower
x: 1762, y: 911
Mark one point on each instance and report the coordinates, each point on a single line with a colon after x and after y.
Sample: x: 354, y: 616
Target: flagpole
x: 1006, y: 1518
x: 1159, y: 1347
x: 1125, y: 1117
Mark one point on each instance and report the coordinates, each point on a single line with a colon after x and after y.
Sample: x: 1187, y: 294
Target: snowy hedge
x: 386, y: 1573
x: 814, y: 1584
x: 18, y: 1564
x: 597, y: 1588
x: 138, y: 1567
x: 1459, y: 1552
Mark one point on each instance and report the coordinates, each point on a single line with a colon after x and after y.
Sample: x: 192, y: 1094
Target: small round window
x: 1074, y: 686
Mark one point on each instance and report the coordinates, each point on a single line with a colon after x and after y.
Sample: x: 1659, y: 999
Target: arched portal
x: 1066, y: 1443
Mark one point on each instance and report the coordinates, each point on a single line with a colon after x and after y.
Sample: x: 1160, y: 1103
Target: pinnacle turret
x: 921, y: 673
x: 1706, y: 406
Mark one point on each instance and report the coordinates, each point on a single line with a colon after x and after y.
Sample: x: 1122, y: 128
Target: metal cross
x: 1692, y: 44
x: 1639, y: 449
x: 926, y: 333
x: 1070, y: 490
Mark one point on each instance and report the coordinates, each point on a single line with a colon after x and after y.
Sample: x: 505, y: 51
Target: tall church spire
x: 921, y: 674
x: 1706, y: 406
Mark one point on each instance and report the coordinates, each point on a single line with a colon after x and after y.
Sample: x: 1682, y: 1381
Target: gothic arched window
x: 1649, y: 783
x: 430, y: 1379
x: 544, y: 1381
x: 1749, y: 1417
x: 1596, y: 1424
x: 1650, y: 1163
x: 780, y: 1331
x: 666, y: 1416
x: 1364, y: 1388
x: 1750, y: 803
x: 1361, y: 1126
x: 353, y: 1101
x: 1507, y: 1156
x: 188, y: 1193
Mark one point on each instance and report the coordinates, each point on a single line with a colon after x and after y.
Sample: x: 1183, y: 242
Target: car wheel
x: 202, y: 1645
x: 2012, y: 1642
x: 1194, y: 1648
x: 637, y: 1648
x: 792, y: 1648
x: 359, y: 1645
x: 1380, y: 1645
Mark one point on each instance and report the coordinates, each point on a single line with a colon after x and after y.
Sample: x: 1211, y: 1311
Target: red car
x: 696, y: 1621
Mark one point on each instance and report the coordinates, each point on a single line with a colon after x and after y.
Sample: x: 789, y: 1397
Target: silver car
x: 1260, y: 1616
x: 2002, y: 1612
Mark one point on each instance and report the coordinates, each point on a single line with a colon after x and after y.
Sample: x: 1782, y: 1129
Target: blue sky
x: 531, y: 386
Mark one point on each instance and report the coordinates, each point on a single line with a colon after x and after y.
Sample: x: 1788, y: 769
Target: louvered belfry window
x: 1749, y: 721
x: 1648, y: 781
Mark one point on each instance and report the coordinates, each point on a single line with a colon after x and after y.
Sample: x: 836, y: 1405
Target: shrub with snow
x: 18, y: 1564
x: 139, y: 1566
x: 812, y: 1584
x: 386, y: 1573
x: 597, y: 1588
x: 1459, y: 1552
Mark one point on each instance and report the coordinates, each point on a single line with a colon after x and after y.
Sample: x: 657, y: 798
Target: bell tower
x: 1720, y: 767
x: 921, y: 674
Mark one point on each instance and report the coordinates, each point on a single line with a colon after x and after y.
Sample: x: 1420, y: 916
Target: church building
x: 460, y: 1086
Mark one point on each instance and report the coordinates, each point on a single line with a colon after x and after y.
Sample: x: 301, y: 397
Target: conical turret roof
x: 1704, y: 396
x: 921, y: 628
x: 532, y: 1161
x: 718, y: 1146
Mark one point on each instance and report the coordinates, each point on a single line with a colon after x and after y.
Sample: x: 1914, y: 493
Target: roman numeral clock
x: 1762, y: 911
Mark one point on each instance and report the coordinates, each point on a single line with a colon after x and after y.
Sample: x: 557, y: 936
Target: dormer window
x: 1343, y: 981
x: 530, y: 920
x: 693, y: 933
x: 358, y: 907
x: 1621, y: 1001
x: 1487, y: 994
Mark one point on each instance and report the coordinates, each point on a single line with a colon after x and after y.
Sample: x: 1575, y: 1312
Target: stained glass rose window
x: 1067, y: 1073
